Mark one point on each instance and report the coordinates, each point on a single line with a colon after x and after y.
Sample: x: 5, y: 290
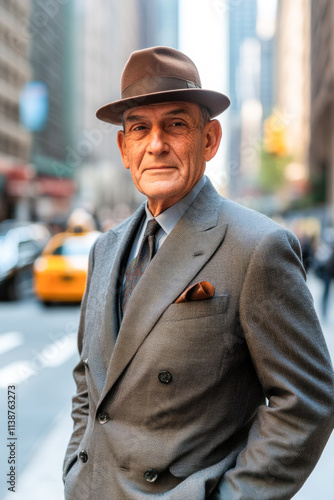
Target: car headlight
x: 40, y: 264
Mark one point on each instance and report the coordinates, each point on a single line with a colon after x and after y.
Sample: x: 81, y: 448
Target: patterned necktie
x: 136, y: 267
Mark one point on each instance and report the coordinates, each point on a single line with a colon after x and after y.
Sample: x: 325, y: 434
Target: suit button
x: 151, y: 475
x: 165, y: 377
x: 103, y: 418
x: 85, y: 362
x: 83, y: 456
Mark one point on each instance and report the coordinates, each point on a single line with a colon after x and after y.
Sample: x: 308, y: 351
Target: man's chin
x: 161, y: 186
x: 162, y: 193
x: 167, y: 174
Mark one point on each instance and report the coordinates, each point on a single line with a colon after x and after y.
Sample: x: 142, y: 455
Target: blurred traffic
x: 60, y: 272
x: 54, y: 267
x: 20, y: 244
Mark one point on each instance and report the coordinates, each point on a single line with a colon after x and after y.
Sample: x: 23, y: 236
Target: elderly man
x: 203, y: 370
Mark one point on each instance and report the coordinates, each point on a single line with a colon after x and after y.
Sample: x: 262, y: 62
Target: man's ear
x: 121, y: 142
x: 212, y: 134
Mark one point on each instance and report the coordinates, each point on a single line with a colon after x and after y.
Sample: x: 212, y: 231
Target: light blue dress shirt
x: 167, y: 219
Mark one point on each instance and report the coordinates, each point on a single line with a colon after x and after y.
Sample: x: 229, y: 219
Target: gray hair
x: 205, y: 116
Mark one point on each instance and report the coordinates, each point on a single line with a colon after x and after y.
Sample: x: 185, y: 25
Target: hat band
x: 157, y: 84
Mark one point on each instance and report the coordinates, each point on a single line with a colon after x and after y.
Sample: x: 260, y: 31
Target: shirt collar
x: 170, y: 217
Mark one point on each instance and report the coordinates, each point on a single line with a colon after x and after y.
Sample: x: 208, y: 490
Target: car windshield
x: 8, y: 254
x: 74, y: 246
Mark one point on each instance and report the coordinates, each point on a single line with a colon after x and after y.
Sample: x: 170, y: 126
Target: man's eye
x: 177, y: 124
x: 139, y: 128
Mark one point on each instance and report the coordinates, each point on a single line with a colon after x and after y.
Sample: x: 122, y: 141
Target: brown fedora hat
x: 161, y: 74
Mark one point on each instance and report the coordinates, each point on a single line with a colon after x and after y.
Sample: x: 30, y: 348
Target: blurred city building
x: 251, y: 60
x: 288, y: 126
x: 159, y: 21
x: 321, y: 153
x: 15, y: 141
x: 51, y: 55
x: 242, y: 26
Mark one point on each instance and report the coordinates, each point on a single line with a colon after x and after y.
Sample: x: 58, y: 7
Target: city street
x: 37, y: 353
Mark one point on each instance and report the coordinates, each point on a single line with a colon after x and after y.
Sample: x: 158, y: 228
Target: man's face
x: 165, y: 147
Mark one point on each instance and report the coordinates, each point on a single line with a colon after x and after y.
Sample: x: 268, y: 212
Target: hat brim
x: 215, y: 102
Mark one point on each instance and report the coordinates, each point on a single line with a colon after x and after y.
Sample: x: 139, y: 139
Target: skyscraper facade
x: 15, y: 141
x: 322, y: 101
x: 242, y: 30
x: 293, y: 85
x: 252, y: 90
x: 51, y: 60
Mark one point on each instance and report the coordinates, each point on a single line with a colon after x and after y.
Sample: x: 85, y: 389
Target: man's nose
x: 157, y: 143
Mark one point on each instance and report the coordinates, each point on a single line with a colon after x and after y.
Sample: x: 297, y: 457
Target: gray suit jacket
x: 246, y: 406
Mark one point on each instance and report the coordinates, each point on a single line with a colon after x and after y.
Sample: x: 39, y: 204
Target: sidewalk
x: 42, y: 478
x: 327, y: 324
x: 320, y: 484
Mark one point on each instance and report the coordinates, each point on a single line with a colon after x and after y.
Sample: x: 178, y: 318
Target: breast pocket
x: 197, y: 309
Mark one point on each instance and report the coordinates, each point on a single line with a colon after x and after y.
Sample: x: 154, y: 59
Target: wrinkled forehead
x: 160, y: 110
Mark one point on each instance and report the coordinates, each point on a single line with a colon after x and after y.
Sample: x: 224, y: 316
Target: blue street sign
x: 34, y: 106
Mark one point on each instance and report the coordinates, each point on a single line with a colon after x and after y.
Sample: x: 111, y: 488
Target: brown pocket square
x: 200, y: 291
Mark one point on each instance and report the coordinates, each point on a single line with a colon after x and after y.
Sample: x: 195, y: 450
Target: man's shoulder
x: 233, y: 213
x: 244, y: 216
x: 248, y: 228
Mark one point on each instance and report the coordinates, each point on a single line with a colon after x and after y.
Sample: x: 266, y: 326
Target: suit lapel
x: 186, y: 250
x: 120, y: 241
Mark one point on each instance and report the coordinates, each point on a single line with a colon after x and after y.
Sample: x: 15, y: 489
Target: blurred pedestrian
x: 307, y: 251
x: 328, y: 276
x: 306, y: 230
x: 323, y: 265
x: 203, y: 370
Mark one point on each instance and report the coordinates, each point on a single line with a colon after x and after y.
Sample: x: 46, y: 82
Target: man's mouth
x: 157, y: 168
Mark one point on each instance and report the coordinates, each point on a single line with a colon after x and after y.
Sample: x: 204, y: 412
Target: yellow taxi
x: 60, y: 272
